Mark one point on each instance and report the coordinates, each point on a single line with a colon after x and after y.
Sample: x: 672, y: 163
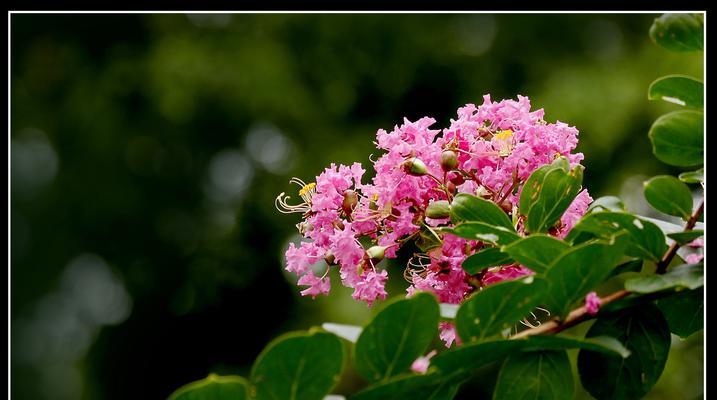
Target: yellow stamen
x: 504, y: 139
x: 504, y: 135
x: 306, y: 188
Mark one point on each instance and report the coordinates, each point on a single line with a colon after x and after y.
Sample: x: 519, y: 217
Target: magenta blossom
x: 592, y: 303
x: 488, y: 150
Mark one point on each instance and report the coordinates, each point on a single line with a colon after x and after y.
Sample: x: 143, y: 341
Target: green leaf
x: 686, y: 236
x: 678, y: 138
x: 536, y: 375
x: 644, y: 331
x: 489, y: 257
x: 483, y: 232
x: 684, y: 311
x: 697, y: 176
x: 678, y: 89
x: 497, y: 307
x: 548, y: 192
x: 427, y: 239
x: 628, y: 266
x: 602, y: 344
x: 536, y: 251
x: 461, y: 361
x: 685, y: 276
x: 646, y: 239
x: 607, y: 203
x: 679, y: 32
x: 396, y: 336
x: 667, y: 194
x: 577, y: 271
x: 213, y: 387
x: 469, y: 208
x: 298, y: 366
x: 431, y: 386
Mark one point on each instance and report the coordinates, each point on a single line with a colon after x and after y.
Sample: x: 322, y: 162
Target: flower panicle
x: 351, y: 226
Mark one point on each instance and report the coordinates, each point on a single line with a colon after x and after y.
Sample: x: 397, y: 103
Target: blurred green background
x: 146, y: 152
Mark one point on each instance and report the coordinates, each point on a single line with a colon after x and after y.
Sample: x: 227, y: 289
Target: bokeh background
x: 147, y: 150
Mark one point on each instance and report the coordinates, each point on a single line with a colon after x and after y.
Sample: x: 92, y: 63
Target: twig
x: 665, y: 261
x: 581, y: 314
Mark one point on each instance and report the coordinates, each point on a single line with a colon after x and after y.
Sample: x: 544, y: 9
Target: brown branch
x: 672, y: 251
x: 580, y: 314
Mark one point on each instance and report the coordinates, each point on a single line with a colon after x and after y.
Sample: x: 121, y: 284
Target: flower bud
x: 330, y: 258
x: 376, y: 252
x: 350, y: 201
x: 414, y: 166
x: 438, y: 209
x: 456, y: 178
x: 449, y: 160
x: 451, y: 187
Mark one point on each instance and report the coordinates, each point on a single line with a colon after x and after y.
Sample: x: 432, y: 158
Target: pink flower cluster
x: 488, y: 151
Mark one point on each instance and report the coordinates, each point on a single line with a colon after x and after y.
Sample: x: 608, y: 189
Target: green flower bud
x: 376, y: 252
x: 414, y: 166
x: 438, y: 209
x: 449, y: 160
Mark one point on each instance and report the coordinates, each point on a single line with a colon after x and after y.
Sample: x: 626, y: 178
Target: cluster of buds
x: 488, y: 151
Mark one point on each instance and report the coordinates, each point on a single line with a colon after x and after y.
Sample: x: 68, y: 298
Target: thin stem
x: 581, y: 314
x: 672, y: 251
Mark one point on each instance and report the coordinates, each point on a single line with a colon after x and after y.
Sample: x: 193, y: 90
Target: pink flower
x: 574, y: 212
x: 448, y: 334
x: 299, y: 260
x: 497, y: 146
x: 316, y: 285
x: 346, y: 249
x: 693, y: 258
x: 421, y: 364
x: 506, y: 273
x: 592, y: 303
x: 370, y: 286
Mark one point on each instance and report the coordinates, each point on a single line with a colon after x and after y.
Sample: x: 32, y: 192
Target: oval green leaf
x: 684, y: 311
x: 213, y: 387
x: 577, y: 271
x: 536, y: 375
x: 489, y: 257
x: 536, y: 251
x: 686, y: 236
x: 644, y: 331
x: 678, y: 89
x: 498, y: 307
x: 461, y: 361
x: 484, y: 232
x: 396, y: 336
x: 679, y: 32
x: 548, y: 192
x: 607, y: 203
x: 667, y: 194
x: 469, y: 208
x: 697, y: 176
x: 647, y: 241
x: 686, y: 276
x: 298, y: 366
x: 678, y: 138
x: 628, y: 266
x: 431, y: 386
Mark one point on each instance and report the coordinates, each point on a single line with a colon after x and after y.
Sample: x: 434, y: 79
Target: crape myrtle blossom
x: 487, y: 151
x: 592, y: 303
